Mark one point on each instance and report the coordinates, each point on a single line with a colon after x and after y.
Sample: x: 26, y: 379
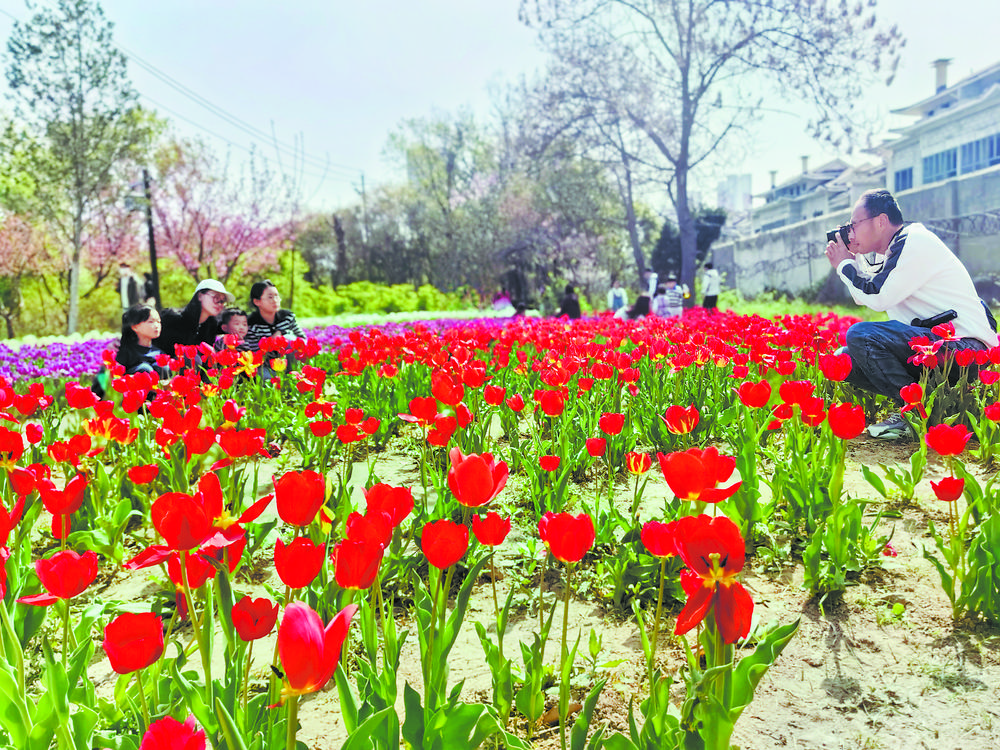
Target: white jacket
x: 920, y: 277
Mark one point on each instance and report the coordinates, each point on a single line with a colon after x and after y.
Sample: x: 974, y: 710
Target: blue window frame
x: 904, y: 179
x: 941, y: 166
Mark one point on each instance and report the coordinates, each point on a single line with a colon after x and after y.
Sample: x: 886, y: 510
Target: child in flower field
x: 136, y: 353
x: 233, y: 323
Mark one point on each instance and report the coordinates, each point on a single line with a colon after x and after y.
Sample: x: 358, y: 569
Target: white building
x: 830, y: 188
x: 957, y: 131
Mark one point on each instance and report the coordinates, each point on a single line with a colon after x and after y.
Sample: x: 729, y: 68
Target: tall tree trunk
x: 73, y: 316
x: 689, y: 235
x: 631, y: 223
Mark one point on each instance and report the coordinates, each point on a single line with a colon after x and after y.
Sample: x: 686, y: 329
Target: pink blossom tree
x: 211, y: 223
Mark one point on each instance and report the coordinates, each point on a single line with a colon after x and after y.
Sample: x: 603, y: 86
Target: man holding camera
x: 914, y: 278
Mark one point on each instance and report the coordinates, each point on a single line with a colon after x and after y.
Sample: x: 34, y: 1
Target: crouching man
x: 917, y: 280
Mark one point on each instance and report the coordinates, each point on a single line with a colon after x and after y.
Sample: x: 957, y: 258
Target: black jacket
x: 181, y: 327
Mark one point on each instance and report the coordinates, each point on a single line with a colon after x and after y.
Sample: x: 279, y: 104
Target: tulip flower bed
x: 521, y: 533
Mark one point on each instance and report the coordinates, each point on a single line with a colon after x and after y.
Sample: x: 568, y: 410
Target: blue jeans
x: 879, y: 352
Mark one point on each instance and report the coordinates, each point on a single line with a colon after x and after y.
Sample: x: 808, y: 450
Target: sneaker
x: 894, y: 428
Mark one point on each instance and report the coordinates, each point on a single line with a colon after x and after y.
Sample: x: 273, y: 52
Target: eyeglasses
x: 218, y: 299
x: 854, y: 224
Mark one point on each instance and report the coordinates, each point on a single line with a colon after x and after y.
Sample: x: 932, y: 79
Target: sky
x: 331, y: 79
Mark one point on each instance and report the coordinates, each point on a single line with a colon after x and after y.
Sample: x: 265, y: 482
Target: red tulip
x: 198, y: 570
x: 444, y: 542
x: 64, y: 575
x: 596, y: 447
x: 847, y: 421
x: 446, y: 389
x: 754, y: 395
x: 254, y: 618
x: 659, y: 538
x: 835, y: 367
x: 349, y: 433
x: 423, y: 411
x: 550, y: 402
x: 22, y: 481
x: 232, y: 412
x: 243, y: 443
x: 11, y: 447
x: 35, y: 432
x: 309, y: 652
x: 796, y: 391
x: 611, y: 423
x: 181, y: 520
x: 170, y: 734
x: 568, y: 537
x: 299, y: 496
x: 695, y: 474
x: 913, y: 396
x: 444, y: 427
x: 946, y: 440
x: 143, y: 474
x: 373, y: 526
x: 133, y: 641
x: 548, y: 463
x: 638, y: 463
x: 714, y: 551
x: 356, y: 563
x: 949, y: 489
x: 474, y: 480
x: 991, y: 412
x: 491, y: 529
x: 680, y: 420
x: 515, y: 403
x: 299, y: 562
x: 494, y: 395
x: 65, y: 501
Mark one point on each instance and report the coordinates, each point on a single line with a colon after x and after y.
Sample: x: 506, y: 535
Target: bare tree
x: 686, y: 74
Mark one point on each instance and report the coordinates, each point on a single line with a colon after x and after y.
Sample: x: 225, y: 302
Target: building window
x: 981, y: 154
x: 941, y: 166
x: 904, y: 179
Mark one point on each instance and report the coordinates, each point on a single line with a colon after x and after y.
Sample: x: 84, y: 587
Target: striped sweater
x: 285, y: 325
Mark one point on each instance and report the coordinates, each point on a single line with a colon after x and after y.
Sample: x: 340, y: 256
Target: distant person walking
x: 711, y: 284
x: 128, y: 286
x: 569, y: 305
x: 617, y: 296
x: 652, y: 281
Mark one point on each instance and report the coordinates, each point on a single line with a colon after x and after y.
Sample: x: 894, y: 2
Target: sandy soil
x: 856, y: 675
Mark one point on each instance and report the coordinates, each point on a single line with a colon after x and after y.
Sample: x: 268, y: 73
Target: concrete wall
x: 791, y: 258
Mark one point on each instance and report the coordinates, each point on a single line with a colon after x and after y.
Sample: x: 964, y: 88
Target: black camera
x: 843, y: 231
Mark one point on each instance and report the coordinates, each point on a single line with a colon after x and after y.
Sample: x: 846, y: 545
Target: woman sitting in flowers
x: 136, y: 353
x: 267, y: 318
x: 197, y: 321
x: 639, y: 310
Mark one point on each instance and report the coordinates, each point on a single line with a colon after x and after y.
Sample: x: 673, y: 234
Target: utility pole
x: 147, y: 189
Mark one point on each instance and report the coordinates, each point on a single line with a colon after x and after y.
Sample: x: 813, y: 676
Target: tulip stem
x: 206, y: 662
x: 496, y: 603
x: 142, y: 699
x: 246, y: 677
x: 564, y: 653
x: 656, y: 622
x: 293, y: 722
x: 65, y: 640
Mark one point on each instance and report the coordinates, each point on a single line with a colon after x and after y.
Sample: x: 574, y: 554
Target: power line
x: 233, y: 120
x: 254, y: 133
x: 224, y: 139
